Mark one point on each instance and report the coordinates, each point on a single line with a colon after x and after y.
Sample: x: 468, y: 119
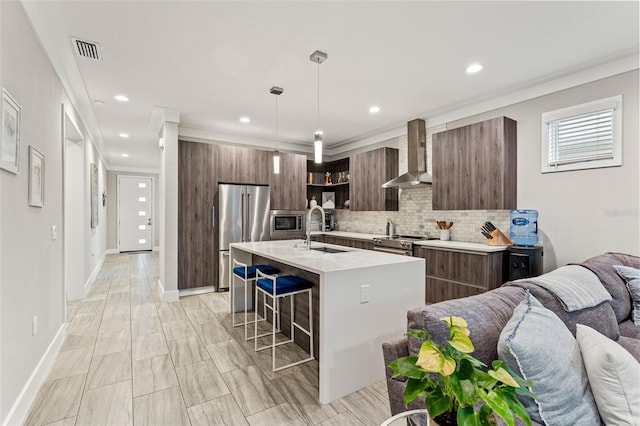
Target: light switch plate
x: 364, y: 293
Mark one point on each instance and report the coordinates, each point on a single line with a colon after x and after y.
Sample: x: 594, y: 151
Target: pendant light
x: 275, y: 90
x: 318, y: 57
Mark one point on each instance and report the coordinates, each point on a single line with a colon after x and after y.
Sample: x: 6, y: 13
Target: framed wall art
x: 36, y: 177
x: 10, y: 137
x: 94, y: 195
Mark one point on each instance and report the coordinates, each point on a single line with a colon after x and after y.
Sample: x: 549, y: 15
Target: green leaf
x: 467, y: 417
x: 406, y: 366
x: 466, y: 370
x: 413, y: 389
x: 468, y: 391
x: 437, y: 403
x: 498, y: 405
x: 486, y: 416
x: 418, y: 334
x: 518, y: 409
x: 460, y: 341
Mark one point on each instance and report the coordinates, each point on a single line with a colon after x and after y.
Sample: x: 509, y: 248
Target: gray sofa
x: 488, y: 313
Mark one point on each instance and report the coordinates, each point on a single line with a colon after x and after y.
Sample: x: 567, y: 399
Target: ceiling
x: 215, y: 61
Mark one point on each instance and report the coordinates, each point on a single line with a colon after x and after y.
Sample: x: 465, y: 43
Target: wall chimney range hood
x: 416, y: 156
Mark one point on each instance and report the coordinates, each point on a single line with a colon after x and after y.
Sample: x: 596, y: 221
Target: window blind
x: 579, y: 138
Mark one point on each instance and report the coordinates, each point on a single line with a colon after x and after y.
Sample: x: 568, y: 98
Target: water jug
x: 523, y: 227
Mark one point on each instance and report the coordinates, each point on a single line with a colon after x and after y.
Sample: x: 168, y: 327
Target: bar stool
x: 247, y: 274
x: 277, y: 288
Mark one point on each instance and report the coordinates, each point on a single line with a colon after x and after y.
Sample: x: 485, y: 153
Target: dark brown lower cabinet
x: 347, y: 242
x: 455, y: 274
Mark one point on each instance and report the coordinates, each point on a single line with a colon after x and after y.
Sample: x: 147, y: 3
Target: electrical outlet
x: 54, y: 233
x: 34, y: 326
x: 364, y: 293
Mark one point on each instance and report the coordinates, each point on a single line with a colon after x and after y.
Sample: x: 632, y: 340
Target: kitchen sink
x: 328, y: 250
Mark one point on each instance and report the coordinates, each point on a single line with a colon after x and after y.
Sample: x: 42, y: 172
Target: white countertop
x: 295, y: 253
x: 460, y: 246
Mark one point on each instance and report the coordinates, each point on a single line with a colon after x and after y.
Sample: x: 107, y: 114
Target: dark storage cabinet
x: 524, y: 262
x: 474, y: 166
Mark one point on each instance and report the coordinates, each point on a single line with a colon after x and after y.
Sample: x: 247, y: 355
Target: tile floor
x: 130, y: 359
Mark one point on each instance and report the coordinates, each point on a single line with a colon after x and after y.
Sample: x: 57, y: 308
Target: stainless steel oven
x: 286, y: 224
x: 401, y: 252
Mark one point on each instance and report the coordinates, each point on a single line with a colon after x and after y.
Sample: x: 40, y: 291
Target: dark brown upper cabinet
x: 474, y: 166
x: 288, y: 188
x: 238, y: 164
x: 369, y: 170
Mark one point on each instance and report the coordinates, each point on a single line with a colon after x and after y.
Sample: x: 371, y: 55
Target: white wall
x: 31, y: 271
x: 586, y: 212
x: 112, y: 206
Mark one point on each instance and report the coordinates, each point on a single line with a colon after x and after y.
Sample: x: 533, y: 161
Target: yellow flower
x: 502, y: 375
x: 457, y: 322
x: 448, y: 367
x: 430, y: 358
x: 460, y: 340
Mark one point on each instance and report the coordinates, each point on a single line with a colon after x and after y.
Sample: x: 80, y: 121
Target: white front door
x: 135, y: 213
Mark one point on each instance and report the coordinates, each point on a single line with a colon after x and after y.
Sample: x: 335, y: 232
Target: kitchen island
x: 361, y: 299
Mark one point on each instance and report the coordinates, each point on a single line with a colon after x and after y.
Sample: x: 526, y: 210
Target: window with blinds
x: 583, y: 136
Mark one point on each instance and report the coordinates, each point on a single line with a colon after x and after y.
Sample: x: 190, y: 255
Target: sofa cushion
x: 486, y: 314
x: 604, y: 267
x: 601, y: 317
x: 631, y: 345
x: 613, y: 374
x: 536, y: 344
x: 632, y: 277
x: 629, y: 329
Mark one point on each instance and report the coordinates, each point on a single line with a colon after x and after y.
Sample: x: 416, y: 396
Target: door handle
x: 249, y: 216
x: 242, y: 212
x: 213, y: 217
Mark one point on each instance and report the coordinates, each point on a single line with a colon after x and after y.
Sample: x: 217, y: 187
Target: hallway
x: 130, y: 359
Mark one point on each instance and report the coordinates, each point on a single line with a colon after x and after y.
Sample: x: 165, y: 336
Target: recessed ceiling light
x: 123, y: 135
x: 374, y: 109
x: 245, y: 120
x: 474, y: 68
x: 121, y: 98
x: 98, y: 102
x: 124, y: 154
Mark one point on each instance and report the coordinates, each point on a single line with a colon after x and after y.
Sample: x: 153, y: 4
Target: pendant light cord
x: 276, y: 123
x: 318, y: 94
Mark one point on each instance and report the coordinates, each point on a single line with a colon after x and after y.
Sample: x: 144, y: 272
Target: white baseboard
x: 18, y: 413
x: 168, y: 296
x: 89, y: 283
x: 112, y: 251
x: 198, y: 290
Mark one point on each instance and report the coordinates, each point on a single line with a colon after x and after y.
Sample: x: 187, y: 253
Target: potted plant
x: 452, y: 381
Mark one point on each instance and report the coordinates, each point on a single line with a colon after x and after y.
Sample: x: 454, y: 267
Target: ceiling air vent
x: 87, y: 49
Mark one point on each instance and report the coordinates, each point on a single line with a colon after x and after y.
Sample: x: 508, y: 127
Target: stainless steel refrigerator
x: 243, y: 212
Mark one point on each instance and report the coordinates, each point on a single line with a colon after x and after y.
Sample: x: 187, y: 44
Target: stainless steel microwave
x: 287, y: 224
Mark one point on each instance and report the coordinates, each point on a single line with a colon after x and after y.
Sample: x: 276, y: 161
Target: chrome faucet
x: 309, y: 224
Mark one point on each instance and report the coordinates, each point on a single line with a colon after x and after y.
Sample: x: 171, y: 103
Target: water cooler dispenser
x: 524, y: 258
x: 524, y: 262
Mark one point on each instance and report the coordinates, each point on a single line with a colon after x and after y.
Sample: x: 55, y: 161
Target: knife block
x: 499, y: 239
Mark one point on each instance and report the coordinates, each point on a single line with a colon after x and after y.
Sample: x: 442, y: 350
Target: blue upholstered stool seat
x: 251, y: 271
x: 285, y: 284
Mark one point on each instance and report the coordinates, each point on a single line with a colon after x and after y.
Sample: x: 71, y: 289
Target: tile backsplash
x: 415, y: 215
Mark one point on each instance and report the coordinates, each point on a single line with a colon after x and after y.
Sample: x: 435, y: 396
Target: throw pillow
x: 536, y: 344
x: 613, y: 373
x: 632, y: 278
